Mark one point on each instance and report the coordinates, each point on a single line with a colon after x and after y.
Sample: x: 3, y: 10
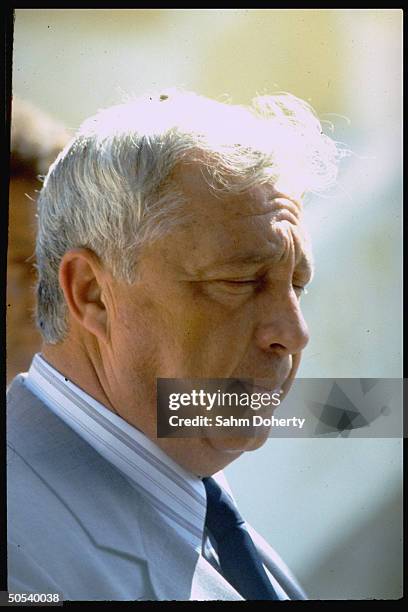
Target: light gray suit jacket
x: 69, y: 512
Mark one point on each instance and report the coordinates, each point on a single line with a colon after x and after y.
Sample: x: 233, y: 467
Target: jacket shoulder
x: 73, y: 519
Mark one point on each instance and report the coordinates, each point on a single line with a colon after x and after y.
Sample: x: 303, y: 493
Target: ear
x: 81, y: 277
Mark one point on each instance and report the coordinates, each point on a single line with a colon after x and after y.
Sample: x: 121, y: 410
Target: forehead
x: 236, y: 230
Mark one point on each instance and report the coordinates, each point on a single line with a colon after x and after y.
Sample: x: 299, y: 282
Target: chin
x: 237, y: 444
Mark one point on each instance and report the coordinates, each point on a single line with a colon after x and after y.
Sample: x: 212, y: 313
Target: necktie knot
x: 222, y: 515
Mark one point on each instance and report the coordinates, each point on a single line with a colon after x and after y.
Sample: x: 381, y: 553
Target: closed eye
x: 247, y: 286
x: 243, y: 287
x: 255, y: 281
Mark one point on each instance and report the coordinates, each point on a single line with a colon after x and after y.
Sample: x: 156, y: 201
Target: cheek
x: 186, y: 332
x: 133, y: 331
x: 214, y: 338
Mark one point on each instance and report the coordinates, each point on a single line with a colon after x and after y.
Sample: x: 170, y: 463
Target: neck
x: 76, y: 364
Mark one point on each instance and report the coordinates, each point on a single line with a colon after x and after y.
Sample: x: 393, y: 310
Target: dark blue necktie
x: 239, y: 560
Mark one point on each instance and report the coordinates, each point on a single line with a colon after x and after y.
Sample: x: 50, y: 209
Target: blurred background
x: 331, y: 507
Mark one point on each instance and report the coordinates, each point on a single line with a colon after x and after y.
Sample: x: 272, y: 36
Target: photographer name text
x: 220, y: 421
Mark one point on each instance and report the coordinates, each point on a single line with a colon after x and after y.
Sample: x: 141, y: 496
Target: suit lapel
x: 177, y: 571
x: 209, y: 584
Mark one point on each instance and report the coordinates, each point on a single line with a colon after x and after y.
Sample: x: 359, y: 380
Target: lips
x: 264, y: 387
x: 269, y: 389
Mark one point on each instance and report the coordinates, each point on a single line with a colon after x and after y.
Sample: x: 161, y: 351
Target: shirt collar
x: 177, y: 494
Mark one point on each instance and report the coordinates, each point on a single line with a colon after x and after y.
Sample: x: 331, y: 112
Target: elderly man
x: 169, y: 246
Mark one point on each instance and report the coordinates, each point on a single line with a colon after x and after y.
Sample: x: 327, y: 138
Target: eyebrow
x: 238, y: 260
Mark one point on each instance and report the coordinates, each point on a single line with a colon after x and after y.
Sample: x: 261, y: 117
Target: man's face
x: 217, y: 297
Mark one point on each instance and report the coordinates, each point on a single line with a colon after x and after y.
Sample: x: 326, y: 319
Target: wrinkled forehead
x: 260, y: 224
x: 203, y: 202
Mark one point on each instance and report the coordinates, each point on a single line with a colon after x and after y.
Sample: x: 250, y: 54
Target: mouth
x: 270, y: 389
x: 267, y: 386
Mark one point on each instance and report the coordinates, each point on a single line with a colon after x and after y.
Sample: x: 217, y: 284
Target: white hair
x: 112, y: 187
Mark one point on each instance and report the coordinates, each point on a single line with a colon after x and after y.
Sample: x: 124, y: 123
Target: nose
x: 281, y: 326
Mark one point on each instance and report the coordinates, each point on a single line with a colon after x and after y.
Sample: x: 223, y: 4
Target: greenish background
x: 331, y: 507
